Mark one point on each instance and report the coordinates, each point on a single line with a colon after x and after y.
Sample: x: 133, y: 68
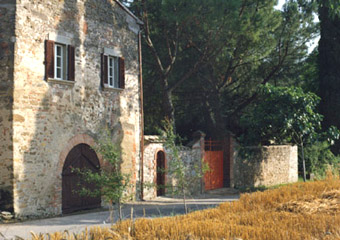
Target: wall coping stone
x: 270, y: 146
x: 153, y: 139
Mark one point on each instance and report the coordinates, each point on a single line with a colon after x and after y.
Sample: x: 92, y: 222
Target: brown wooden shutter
x: 121, y: 73
x: 71, y: 64
x: 104, y: 69
x: 49, y: 59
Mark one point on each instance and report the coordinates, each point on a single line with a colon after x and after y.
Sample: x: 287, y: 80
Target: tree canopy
x: 207, y: 58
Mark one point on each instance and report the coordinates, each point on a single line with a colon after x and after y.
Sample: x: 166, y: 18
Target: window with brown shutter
x: 121, y: 73
x: 112, y: 72
x: 70, y: 62
x: 104, y: 68
x: 59, y: 61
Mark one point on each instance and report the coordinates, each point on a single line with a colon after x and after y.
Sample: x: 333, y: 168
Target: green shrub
x: 319, y: 159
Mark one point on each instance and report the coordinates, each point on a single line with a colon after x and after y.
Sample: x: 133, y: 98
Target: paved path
x: 75, y: 223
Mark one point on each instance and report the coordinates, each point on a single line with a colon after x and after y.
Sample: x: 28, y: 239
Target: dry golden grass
x: 298, y: 211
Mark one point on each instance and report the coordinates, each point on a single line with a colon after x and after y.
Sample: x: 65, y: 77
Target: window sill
x: 64, y: 82
x: 112, y: 89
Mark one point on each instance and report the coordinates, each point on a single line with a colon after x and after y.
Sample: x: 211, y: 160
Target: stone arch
x: 71, y: 143
x: 74, y: 141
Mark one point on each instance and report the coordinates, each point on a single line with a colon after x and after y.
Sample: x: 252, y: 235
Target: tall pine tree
x: 329, y: 65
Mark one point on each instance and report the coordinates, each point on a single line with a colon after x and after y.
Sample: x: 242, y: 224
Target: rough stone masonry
x: 41, y: 119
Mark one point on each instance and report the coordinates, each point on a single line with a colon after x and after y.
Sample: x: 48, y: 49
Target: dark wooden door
x: 81, y: 157
x: 160, y: 173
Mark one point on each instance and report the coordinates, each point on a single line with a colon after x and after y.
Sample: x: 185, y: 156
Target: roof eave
x: 140, y: 22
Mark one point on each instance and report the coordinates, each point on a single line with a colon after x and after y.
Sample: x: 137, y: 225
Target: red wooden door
x: 213, y: 155
x: 82, y: 157
x: 160, y: 173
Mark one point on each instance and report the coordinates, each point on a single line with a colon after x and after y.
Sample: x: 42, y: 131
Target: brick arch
x: 74, y: 141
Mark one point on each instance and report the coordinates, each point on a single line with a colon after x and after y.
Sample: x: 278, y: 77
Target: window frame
x: 113, y: 76
x: 63, y: 61
x: 112, y: 69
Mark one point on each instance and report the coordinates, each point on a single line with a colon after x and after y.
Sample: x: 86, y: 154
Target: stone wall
x: 152, y: 145
x: 190, y: 155
x: 48, y: 115
x: 7, y: 39
x: 192, y: 161
x: 265, y: 166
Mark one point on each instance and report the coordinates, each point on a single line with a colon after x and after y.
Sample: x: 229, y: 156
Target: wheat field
x: 298, y: 211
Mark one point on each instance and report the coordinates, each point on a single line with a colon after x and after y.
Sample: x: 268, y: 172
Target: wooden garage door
x: 213, y: 155
x: 83, y: 157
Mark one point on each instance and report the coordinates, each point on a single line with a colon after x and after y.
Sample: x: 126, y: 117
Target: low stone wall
x: 191, y: 156
x: 265, y: 166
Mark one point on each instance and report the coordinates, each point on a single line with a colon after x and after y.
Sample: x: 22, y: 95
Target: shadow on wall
x: 61, y: 111
x: 123, y: 41
x: 7, y: 41
x: 248, y: 169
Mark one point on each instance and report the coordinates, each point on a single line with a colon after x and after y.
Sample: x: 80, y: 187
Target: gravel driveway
x: 158, y: 207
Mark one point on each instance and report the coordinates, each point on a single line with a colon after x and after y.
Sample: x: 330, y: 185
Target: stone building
x: 68, y: 69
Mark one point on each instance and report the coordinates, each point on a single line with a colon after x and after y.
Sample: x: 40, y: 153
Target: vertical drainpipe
x: 141, y: 116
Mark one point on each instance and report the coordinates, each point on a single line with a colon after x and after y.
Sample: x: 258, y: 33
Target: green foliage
x: 224, y: 51
x: 183, y: 175
x: 282, y: 115
x: 286, y: 115
x: 110, y: 182
x: 319, y: 159
x: 332, y: 5
x: 308, y: 74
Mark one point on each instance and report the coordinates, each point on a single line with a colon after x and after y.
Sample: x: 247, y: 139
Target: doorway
x: 160, y: 173
x: 82, y: 156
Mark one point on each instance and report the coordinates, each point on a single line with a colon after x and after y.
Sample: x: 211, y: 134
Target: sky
x: 279, y: 6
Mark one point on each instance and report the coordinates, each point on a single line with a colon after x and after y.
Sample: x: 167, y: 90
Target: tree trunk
x: 119, y: 210
x: 184, y: 201
x: 218, y: 124
x: 111, y: 212
x: 329, y: 71
x: 168, y: 107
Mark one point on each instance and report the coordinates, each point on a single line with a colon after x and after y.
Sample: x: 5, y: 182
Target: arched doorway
x: 83, y: 157
x: 160, y: 173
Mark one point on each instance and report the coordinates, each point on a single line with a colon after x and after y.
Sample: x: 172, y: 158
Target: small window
x: 60, y: 54
x: 59, y: 61
x: 113, y: 72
